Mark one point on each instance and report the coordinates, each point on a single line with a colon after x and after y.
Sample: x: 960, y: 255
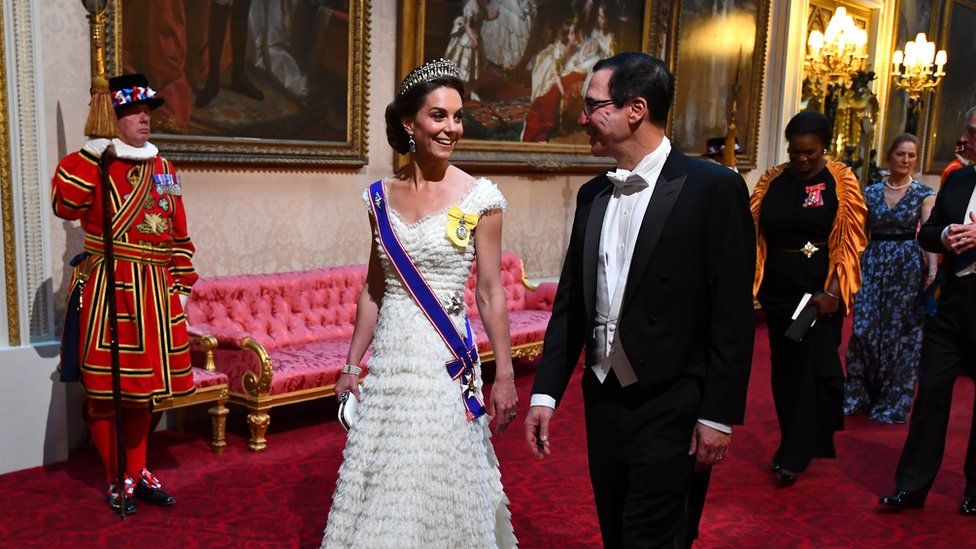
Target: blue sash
x: 464, y: 348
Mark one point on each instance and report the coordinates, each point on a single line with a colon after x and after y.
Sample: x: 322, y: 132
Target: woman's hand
x: 347, y: 382
x: 929, y: 279
x: 502, y: 403
x: 825, y: 304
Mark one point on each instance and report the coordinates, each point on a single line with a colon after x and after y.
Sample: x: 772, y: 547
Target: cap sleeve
x: 369, y: 208
x: 924, y: 190
x: 486, y: 197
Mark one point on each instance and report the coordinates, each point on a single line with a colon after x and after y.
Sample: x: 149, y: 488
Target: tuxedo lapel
x: 591, y: 248
x: 666, y: 191
x: 964, y: 191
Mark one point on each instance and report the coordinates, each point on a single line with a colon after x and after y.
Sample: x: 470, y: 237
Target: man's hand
x: 962, y: 238
x: 537, y: 430
x: 708, y: 446
x: 98, y: 145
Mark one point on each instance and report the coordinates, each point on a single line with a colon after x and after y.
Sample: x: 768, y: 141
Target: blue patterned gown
x: 882, y: 357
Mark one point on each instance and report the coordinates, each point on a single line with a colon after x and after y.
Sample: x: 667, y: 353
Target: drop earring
x: 412, y: 145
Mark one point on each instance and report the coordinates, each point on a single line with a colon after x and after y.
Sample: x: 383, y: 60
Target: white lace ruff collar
x: 123, y: 150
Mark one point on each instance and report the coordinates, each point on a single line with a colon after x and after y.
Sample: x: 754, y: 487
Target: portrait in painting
x: 719, y: 41
x: 525, y: 62
x: 957, y: 93
x: 232, y: 72
x: 914, y: 16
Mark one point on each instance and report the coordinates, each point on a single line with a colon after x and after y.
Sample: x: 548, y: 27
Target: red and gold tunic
x: 153, y: 267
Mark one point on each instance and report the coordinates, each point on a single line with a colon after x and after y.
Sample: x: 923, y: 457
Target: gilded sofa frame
x: 257, y: 383
x: 217, y: 394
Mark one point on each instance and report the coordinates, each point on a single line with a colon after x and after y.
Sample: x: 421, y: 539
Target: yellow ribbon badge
x: 459, y: 226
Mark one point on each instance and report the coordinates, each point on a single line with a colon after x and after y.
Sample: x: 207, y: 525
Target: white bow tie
x: 623, y: 179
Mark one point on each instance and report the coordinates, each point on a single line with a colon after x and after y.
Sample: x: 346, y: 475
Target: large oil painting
x: 957, y: 93
x: 913, y: 17
x: 251, y: 81
x: 525, y: 64
x: 721, y: 47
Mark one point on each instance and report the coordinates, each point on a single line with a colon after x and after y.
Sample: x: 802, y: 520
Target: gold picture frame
x: 911, y: 17
x: 697, y: 129
x: 7, y: 210
x: 501, y: 154
x: 345, y: 147
x: 954, y: 95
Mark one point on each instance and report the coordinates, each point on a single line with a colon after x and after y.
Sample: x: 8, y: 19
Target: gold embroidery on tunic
x: 153, y: 224
x: 134, y: 175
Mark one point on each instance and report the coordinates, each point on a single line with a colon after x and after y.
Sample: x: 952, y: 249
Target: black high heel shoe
x: 785, y: 476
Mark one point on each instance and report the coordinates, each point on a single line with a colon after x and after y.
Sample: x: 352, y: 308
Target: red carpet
x: 280, y: 498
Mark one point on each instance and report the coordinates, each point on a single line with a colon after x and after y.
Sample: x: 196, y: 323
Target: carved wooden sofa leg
x: 258, y: 423
x: 218, y: 417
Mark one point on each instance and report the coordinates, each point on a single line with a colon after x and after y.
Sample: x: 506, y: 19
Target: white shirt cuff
x: 543, y: 400
x: 727, y: 429
x: 945, y: 233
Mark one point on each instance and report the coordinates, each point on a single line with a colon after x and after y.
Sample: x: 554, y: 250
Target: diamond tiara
x: 431, y: 70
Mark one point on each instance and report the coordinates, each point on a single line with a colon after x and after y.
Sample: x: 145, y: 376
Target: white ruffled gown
x: 415, y: 471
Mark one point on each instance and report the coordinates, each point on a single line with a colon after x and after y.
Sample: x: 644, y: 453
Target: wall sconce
x: 917, y: 70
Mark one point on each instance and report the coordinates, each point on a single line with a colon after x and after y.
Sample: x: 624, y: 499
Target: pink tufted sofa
x: 282, y: 338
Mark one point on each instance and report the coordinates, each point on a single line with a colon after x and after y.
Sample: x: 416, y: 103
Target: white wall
x: 41, y: 415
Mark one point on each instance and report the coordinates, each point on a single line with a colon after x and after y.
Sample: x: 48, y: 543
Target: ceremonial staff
x: 102, y: 123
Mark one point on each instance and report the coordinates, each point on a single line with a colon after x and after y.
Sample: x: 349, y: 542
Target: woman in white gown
x: 416, y: 472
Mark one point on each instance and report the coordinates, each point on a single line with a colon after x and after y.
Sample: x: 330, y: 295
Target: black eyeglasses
x: 590, y: 106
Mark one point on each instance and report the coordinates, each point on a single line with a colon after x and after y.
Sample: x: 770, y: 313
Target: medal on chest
x: 167, y: 183
x: 459, y: 226
x: 814, y: 199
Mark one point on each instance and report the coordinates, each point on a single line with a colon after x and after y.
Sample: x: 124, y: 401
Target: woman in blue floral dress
x: 883, y: 354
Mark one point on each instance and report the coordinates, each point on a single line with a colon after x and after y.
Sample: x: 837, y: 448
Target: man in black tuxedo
x: 657, y: 287
x: 949, y: 341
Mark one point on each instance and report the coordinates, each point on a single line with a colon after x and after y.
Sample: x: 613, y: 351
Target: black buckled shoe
x: 114, y: 501
x: 968, y: 507
x: 903, y: 500
x: 151, y: 491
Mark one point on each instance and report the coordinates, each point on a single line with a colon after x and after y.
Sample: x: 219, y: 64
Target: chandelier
x: 919, y: 68
x: 837, y: 53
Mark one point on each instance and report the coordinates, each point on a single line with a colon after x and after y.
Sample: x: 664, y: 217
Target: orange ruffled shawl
x: 848, y: 237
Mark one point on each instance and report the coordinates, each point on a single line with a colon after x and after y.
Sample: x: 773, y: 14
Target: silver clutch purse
x: 348, y: 407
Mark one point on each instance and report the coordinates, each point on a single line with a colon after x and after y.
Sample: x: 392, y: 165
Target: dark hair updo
x: 812, y: 123
x: 406, y: 105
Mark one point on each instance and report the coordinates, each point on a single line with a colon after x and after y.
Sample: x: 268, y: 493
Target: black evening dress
x: 807, y: 377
